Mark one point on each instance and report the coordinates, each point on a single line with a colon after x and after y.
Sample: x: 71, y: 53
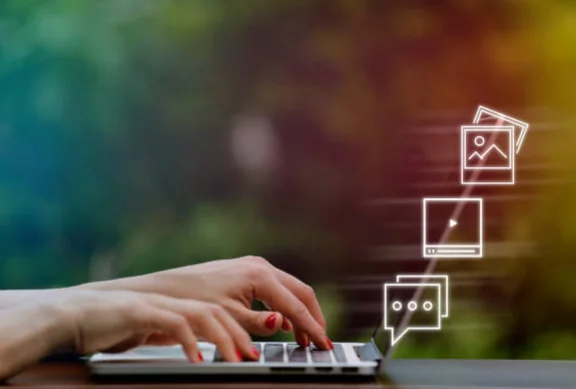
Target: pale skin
x: 210, y: 301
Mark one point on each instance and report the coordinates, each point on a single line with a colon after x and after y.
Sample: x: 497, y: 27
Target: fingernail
x: 255, y: 352
x: 307, y: 342
x: 330, y: 345
x: 239, y: 355
x: 270, y: 322
x: 200, y: 357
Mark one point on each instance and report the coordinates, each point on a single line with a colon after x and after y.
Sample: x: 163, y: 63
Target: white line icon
x: 480, y: 140
x: 463, y: 239
x: 485, y: 114
x: 404, y: 296
x: 489, y: 146
x: 489, y: 149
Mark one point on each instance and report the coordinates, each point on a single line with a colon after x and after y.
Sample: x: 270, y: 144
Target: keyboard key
x: 296, y: 353
x: 273, y: 353
x: 339, y: 353
x: 320, y: 356
x: 258, y: 347
x: 219, y: 358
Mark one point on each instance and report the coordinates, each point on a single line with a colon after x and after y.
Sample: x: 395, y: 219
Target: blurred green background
x: 138, y: 135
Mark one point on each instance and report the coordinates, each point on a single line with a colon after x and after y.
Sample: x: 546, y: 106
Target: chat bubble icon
x: 421, y: 301
x: 433, y: 278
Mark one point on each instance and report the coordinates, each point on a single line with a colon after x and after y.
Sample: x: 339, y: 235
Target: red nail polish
x: 255, y: 352
x: 270, y: 322
x: 200, y: 357
x: 330, y: 345
x: 240, y: 357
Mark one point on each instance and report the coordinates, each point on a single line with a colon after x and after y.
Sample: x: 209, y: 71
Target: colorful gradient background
x: 138, y: 135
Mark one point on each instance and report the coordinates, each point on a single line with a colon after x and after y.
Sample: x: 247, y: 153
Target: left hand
x: 234, y: 284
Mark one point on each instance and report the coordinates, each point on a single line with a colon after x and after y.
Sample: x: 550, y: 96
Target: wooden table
x: 408, y: 374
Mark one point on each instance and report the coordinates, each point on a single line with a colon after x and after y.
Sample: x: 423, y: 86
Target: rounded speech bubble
x: 399, y: 298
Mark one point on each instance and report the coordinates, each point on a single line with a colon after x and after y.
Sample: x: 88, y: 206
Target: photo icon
x: 488, y: 116
x: 487, y: 155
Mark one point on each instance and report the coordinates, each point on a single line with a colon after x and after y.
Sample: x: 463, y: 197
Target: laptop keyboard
x: 276, y: 353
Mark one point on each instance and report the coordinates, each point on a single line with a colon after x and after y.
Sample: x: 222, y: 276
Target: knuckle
x: 256, y: 271
x: 218, y: 311
x: 308, y: 292
x: 300, y: 310
x: 213, y: 309
x: 258, y: 260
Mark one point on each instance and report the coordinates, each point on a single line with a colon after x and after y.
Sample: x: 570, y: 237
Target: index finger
x: 304, y: 293
x: 276, y: 295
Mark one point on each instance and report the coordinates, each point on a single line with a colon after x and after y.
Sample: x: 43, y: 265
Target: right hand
x: 119, y: 320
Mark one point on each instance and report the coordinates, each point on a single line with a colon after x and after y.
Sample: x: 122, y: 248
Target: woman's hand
x: 233, y: 284
x: 90, y: 321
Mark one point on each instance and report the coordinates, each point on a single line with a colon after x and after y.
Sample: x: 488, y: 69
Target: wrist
x: 135, y: 284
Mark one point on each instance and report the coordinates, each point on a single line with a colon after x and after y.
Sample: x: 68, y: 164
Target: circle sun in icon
x: 479, y: 140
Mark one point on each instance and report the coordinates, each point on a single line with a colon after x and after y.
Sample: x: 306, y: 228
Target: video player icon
x: 452, y: 227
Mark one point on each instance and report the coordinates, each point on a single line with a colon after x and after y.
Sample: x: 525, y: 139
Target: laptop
x: 347, y: 361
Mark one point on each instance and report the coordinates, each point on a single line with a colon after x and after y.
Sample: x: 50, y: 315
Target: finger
x: 301, y: 338
x: 304, y: 293
x: 287, y: 325
x: 159, y: 339
x: 277, y: 296
x: 205, y: 325
x: 213, y: 331
x: 177, y: 327
x: 261, y: 323
x: 239, y: 335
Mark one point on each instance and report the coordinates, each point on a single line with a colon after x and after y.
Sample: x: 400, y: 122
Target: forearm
x: 27, y: 333
x: 143, y: 283
x: 10, y: 298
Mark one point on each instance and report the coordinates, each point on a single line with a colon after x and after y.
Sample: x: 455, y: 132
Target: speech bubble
x: 399, y: 298
x: 433, y: 278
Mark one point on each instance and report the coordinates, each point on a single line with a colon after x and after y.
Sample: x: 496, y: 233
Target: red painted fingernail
x: 330, y: 345
x: 255, y: 352
x: 239, y: 355
x: 270, y: 322
x: 200, y: 357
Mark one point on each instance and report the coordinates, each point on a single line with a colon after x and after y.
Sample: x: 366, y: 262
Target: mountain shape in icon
x: 481, y: 156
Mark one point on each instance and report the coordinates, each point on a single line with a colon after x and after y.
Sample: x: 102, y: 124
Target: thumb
x: 261, y: 323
